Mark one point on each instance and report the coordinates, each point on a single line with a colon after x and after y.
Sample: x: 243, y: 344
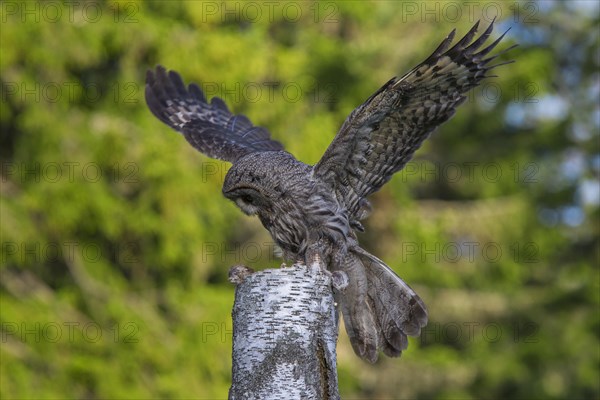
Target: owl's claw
x: 239, y: 273
x: 339, y: 280
x: 313, y: 255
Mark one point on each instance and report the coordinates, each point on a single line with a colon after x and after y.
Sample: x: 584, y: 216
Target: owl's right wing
x: 210, y: 127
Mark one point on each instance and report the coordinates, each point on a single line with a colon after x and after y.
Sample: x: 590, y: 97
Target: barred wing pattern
x: 379, y: 137
x: 210, y: 128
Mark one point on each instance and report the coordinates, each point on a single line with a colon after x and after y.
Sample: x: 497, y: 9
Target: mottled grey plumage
x: 210, y: 128
x: 313, y: 211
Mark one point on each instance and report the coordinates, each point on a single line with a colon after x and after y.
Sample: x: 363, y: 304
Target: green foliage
x: 116, y: 240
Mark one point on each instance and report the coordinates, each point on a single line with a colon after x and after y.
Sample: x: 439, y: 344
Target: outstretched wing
x: 379, y: 137
x: 210, y: 127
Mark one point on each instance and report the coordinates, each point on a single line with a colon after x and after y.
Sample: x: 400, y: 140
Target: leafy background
x: 116, y: 240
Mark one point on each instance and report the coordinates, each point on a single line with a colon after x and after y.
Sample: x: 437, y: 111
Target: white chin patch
x: 245, y: 207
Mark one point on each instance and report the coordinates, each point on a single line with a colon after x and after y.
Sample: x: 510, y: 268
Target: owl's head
x: 257, y: 182
x: 250, y: 199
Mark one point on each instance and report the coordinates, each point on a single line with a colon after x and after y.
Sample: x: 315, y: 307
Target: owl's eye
x: 247, y: 199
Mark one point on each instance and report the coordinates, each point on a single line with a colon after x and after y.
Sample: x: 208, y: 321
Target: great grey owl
x: 314, y: 210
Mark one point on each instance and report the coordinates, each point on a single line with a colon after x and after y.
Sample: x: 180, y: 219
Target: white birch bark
x: 284, y: 334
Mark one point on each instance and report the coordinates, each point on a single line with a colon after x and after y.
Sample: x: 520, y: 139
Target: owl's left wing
x: 210, y: 127
x: 379, y: 137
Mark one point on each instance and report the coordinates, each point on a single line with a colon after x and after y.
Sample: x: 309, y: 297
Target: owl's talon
x: 239, y: 273
x: 314, y: 255
x: 339, y: 280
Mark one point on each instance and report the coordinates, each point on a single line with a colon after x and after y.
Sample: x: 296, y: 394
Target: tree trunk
x: 284, y: 334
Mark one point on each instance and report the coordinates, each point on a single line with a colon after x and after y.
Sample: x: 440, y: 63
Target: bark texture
x: 284, y: 334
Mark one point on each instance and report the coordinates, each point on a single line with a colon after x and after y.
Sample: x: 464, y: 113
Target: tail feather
x: 380, y: 310
x: 396, y: 342
x: 361, y: 329
x: 359, y: 316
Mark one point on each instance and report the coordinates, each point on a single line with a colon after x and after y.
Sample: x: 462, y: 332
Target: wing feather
x: 210, y: 127
x: 380, y: 136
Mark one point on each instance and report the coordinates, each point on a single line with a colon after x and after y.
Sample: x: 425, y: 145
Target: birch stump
x: 284, y: 334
